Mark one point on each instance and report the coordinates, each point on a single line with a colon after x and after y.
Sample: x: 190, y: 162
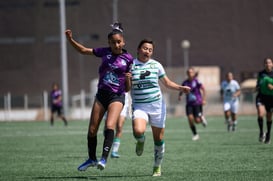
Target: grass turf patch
x: 36, y: 151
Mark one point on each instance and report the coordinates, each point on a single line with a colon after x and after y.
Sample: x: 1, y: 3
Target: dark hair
x: 146, y: 40
x: 191, y: 68
x: 268, y: 58
x: 55, y: 84
x: 116, y: 29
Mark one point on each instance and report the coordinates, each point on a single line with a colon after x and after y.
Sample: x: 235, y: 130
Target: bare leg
x: 95, y: 119
x: 114, y: 110
x: 139, y: 127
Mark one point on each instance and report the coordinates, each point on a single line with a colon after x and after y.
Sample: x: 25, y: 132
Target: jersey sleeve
x: 199, y: 84
x: 100, y: 52
x: 237, y: 86
x: 129, y: 62
x: 161, y: 70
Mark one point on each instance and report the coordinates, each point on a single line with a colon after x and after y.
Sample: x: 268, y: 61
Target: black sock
x: 65, y: 121
x: 92, y: 147
x: 193, y: 129
x: 108, y: 141
x: 261, y: 125
x: 269, y: 124
x: 51, y: 121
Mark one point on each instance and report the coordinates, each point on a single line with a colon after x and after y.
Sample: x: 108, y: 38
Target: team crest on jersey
x: 135, y: 66
x: 193, y: 84
x: 109, y: 56
x: 123, y: 62
x: 152, y: 65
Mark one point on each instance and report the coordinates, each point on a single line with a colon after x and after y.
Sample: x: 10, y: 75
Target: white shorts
x: 125, y: 111
x: 154, y: 113
x: 232, y: 106
x: 126, y: 108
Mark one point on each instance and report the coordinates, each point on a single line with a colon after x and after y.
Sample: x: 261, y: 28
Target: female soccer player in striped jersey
x: 147, y: 101
x: 230, y: 92
x: 113, y: 83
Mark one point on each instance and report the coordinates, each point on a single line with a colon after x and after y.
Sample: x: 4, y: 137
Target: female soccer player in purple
x: 56, y: 104
x: 114, y: 81
x: 195, y: 101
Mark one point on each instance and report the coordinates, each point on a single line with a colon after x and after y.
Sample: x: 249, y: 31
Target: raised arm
x: 79, y: 47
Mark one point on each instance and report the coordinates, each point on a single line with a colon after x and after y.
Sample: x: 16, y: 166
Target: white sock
x: 116, y: 144
x: 159, y: 154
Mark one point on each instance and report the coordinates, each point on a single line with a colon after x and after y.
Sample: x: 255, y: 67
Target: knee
x: 137, y: 132
x: 92, y: 131
x: 197, y: 120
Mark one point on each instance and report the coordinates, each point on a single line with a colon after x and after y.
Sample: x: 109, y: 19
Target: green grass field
x: 36, y: 151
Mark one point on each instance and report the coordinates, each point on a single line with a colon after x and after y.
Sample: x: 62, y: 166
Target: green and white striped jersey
x: 145, y: 85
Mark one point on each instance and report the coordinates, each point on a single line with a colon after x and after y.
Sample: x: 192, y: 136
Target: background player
x: 56, y: 104
x: 230, y: 92
x: 195, y: 101
x: 264, y: 97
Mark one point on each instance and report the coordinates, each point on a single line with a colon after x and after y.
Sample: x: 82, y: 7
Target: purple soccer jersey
x: 55, y: 94
x: 194, y: 97
x: 112, y: 69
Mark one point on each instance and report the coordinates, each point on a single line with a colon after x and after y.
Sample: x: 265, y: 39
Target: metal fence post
x: 82, y: 103
x: 45, y: 95
x: 25, y: 102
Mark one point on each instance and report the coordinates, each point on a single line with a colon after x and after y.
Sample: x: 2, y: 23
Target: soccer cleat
x: 233, y: 127
x: 195, y: 137
x: 86, y: 164
x: 267, y: 139
x: 115, y: 155
x: 204, y: 121
x: 140, y: 147
x: 102, y: 164
x: 229, y: 126
x: 262, y: 137
x: 157, y: 172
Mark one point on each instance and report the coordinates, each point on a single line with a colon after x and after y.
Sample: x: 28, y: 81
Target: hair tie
x: 117, y: 26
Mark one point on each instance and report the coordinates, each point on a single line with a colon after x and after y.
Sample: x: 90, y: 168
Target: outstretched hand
x: 128, y: 75
x: 185, y: 89
x: 68, y: 34
x: 270, y: 86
